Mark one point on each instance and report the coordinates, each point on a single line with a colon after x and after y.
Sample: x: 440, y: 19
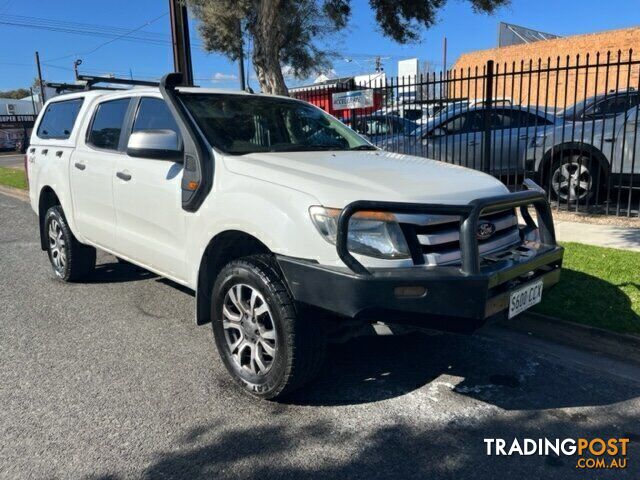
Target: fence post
x: 488, y: 105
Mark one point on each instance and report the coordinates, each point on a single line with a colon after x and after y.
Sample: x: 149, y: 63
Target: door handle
x: 472, y: 143
x: 609, y: 140
x: 44, y: 151
x: 59, y: 153
x: 80, y: 166
x: 123, y: 176
x: 523, y: 137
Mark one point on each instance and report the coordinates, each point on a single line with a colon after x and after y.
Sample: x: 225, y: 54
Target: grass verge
x: 13, y: 177
x: 598, y: 287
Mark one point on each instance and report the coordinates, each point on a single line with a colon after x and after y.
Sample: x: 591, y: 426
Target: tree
x: 17, y: 94
x: 288, y: 33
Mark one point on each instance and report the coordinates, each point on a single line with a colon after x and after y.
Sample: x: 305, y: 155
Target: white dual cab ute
x: 291, y: 228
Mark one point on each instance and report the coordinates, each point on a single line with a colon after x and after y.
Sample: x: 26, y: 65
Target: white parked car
x: 272, y: 211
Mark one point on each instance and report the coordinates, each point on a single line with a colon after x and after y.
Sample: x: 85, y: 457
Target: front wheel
x: 70, y: 260
x: 576, y: 179
x: 265, y: 345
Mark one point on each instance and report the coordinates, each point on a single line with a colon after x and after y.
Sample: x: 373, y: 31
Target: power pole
x: 180, y: 40
x: 40, y: 82
x: 378, y: 64
x: 243, y: 86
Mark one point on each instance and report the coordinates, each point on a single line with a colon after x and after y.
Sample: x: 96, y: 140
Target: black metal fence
x: 569, y: 123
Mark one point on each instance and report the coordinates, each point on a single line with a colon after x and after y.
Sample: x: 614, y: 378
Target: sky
x: 358, y: 44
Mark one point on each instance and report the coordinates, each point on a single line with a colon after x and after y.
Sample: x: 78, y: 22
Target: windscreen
x: 241, y: 124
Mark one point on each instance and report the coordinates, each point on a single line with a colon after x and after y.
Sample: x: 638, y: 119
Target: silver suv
x: 592, y: 149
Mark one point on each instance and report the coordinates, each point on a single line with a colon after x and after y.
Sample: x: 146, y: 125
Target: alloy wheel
x: 57, y: 245
x: 572, y: 181
x: 249, y: 329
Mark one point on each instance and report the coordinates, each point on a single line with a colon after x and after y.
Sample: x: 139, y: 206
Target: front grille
x: 439, y: 240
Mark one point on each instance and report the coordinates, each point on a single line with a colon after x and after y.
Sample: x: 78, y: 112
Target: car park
x: 290, y: 227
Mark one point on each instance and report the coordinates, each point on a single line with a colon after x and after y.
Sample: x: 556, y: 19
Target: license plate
x: 525, y: 297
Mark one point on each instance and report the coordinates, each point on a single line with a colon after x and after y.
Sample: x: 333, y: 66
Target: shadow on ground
x: 584, y: 298
x: 377, y: 368
x: 402, y: 450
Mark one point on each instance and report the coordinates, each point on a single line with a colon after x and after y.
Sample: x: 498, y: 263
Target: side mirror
x: 155, y: 144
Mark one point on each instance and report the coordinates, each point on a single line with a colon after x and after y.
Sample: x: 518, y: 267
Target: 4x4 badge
x: 485, y: 230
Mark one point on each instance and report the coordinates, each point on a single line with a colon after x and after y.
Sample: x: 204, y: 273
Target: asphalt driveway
x: 112, y: 379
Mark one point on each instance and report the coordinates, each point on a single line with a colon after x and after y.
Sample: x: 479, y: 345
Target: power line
x: 119, y: 37
x: 86, y: 29
x: 23, y: 20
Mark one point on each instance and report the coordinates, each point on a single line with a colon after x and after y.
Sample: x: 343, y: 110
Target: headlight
x: 375, y: 234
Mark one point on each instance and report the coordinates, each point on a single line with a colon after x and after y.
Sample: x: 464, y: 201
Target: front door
x: 150, y: 218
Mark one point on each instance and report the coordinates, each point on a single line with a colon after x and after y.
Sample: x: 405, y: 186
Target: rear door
x: 150, y: 218
x: 93, y: 167
x: 51, y: 143
x: 513, y: 130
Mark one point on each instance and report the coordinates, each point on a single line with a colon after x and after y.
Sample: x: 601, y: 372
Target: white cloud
x: 223, y: 77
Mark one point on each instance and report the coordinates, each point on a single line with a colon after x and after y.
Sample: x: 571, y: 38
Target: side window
x: 153, y: 114
x: 515, y: 118
x: 466, y: 123
x: 501, y: 119
x: 413, y: 114
x: 59, y: 119
x: 612, y: 106
x: 532, y: 120
x: 106, y: 126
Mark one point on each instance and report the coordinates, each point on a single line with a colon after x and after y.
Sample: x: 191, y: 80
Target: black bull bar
x: 469, y: 216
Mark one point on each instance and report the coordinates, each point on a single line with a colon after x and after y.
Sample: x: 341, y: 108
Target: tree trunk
x: 267, y: 40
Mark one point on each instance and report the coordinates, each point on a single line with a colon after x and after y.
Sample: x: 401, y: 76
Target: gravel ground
x: 112, y: 379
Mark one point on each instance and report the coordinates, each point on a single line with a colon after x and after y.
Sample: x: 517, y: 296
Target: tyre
x: 268, y: 348
x: 70, y: 260
x: 576, y: 178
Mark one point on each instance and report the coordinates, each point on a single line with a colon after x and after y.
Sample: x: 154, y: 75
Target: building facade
x: 602, y: 59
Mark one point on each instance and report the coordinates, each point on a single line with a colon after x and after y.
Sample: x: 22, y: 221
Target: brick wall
x: 562, y: 85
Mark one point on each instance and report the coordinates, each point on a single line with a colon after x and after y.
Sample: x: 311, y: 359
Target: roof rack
x: 92, y: 80
x: 61, y: 86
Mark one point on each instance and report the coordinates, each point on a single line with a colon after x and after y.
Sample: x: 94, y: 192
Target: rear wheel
x: 70, y: 260
x: 265, y: 345
x: 576, y: 178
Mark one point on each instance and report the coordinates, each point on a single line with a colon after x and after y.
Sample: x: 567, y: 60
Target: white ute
x: 290, y: 227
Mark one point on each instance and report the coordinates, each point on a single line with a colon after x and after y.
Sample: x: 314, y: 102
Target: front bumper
x: 448, y: 298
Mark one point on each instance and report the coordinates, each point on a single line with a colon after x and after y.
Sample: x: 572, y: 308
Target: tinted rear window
x: 107, y: 124
x: 59, y: 118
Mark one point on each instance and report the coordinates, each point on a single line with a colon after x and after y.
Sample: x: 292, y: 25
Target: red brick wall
x: 566, y: 85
